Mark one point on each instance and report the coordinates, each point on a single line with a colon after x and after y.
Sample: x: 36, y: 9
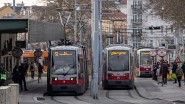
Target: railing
x: 136, y: 21
x: 136, y: 7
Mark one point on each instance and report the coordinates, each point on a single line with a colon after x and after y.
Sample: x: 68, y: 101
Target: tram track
x: 152, y: 99
x: 109, y: 97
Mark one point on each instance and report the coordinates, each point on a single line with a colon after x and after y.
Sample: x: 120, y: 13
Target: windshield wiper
x: 69, y: 70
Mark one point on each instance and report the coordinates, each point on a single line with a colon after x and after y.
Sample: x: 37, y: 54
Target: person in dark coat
x: 15, y: 74
x: 22, y: 71
x: 179, y: 74
x: 165, y: 72
x: 155, y: 71
x: 174, y: 69
x: 40, y: 71
x: 183, y: 69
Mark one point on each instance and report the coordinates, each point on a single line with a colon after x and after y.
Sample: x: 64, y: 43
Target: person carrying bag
x: 179, y: 74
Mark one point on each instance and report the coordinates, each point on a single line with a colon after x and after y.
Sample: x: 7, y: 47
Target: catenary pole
x: 75, y: 25
x: 101, y: 47
x: 95, y: 48
x: 14, y: 14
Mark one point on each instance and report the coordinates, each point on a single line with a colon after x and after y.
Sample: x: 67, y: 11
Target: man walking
x: 22, y: 72
x: 183, y: 69
x: 32, y: 69
x: 165, y: 72
x: 174, y: 69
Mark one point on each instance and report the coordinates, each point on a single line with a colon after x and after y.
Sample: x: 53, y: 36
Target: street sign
x: 161, y: 52
x: 177, y: 60
x: 171, y: 47
x: 38, y: 53
x: 20, y: 44
x: 17, y: 52
x: 153, y: 53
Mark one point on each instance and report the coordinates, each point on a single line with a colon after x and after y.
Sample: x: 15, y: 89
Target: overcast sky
x: 26, y: 2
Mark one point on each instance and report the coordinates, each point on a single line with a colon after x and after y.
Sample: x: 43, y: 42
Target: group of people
x: 20, y: 72
x: 163, y: 69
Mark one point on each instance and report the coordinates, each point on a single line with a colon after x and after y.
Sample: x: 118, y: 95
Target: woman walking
x: 179, y: 74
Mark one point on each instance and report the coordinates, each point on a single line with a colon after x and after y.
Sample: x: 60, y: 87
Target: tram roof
x: 144, y: 49
x: 118, y: 47
x: 65, y: 47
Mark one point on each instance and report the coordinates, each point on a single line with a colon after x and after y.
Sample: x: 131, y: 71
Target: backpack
x: 179, y: 72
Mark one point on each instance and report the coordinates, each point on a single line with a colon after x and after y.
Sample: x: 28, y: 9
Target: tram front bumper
x: 118, y: 83
x: 145, y: 73
x: 65, y: 88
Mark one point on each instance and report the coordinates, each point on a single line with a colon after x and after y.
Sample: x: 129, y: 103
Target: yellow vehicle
x: 28, y: 56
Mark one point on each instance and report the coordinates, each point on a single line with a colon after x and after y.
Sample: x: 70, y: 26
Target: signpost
x: 162, y: 52
x: 177, y: 60
x: 17, y: 53
x: 153, y: 53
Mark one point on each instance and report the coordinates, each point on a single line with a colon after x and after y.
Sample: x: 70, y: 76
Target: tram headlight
x: 126, y: 74
x: 54, y: 78
x: 72, y: 78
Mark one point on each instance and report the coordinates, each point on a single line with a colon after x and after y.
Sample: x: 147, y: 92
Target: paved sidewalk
x: 149, y: 88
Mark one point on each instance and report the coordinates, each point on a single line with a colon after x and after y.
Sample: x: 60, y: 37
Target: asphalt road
x: 36, y: 95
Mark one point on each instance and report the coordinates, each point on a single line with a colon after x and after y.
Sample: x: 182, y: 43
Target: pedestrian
x: 179, y: 74
x: 165, y: 72
x: 40, y: 71
x: 174, y: 69
x: 155, y: 67
x: 15, y: 74
x: 183, y: 69
x: 26, y: 68
x: 22, y: 74
x: 32, y: 70
x: 2, y: 75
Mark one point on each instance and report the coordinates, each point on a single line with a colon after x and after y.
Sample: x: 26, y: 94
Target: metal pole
x: 162, y: 71
x: 95, y: 43
x: 117, y: 36
x: 80, y: 32
x: 0, y: 47
x: 14, y: 14
x: 101, y: 47
x: 109, y: 32
x: 75, y: 26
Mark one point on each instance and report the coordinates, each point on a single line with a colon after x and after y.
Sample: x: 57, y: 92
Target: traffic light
x: 154, y: 28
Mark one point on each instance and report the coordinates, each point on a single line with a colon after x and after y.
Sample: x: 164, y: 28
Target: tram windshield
x: 145, y: 58
x: 118, y: 60
x: 64, y: 62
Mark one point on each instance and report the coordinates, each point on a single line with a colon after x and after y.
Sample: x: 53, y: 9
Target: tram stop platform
x: 150, y: 89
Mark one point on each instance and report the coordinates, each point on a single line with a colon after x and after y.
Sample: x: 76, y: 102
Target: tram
x: 118, y: 66
x: 67, y: 70
x: 144, y: 62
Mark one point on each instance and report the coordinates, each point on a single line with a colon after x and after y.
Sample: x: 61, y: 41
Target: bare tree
x: 50, y: 13
x: 169, y: 10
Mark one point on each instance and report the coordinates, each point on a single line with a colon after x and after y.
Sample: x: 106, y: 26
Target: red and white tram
x: 118, y: 68
x: 144, y: 62
x: 67, y: 70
